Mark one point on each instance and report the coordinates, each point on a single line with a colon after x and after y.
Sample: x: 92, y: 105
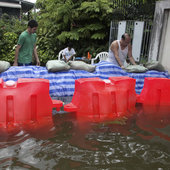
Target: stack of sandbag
x: 59, y: 65
x: 155, y: 65
x: 152, y: 65
x: 4, y: 65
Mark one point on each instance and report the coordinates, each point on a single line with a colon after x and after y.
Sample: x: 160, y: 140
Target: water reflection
x: 139, y: 142
x: 154, y: 120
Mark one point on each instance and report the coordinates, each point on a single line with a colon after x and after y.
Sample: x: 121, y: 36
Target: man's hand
x: 16, y: 55
x: 38, y: 62
x: 122, y: 67
x: 15, y: 64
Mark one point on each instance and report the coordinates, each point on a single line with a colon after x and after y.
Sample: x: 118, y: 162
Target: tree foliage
x: 10, y: 28
x: 85, y: 23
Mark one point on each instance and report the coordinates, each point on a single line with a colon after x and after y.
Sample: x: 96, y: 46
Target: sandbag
x: 135, y: 69
x: 154, y: 65
x: 80, y: 65
x: 57, y: 65
x: 4, y: 65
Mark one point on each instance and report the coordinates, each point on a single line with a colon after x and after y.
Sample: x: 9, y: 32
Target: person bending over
x: 68, y: 53
x: 119, y: 50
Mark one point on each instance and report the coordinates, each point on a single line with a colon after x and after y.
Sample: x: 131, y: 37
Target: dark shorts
x: 21, y: 64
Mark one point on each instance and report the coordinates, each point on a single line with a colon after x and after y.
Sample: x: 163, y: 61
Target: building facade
x: 15, y: 7
x: 160, y: 40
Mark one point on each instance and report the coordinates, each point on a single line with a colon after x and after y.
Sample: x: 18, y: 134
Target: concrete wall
x: 164, y: 52
x: 160, y: 39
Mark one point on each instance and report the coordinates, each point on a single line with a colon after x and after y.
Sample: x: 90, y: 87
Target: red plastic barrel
x: 125, y: 93
x: 156, y: 92
x: 97, y: 99
x: 25, y: 100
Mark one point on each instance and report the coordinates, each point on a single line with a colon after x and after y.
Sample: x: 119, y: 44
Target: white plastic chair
x: 60, y: 55
x: 102, y: 57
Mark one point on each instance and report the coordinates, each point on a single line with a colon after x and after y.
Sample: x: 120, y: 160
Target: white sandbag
x: 57, y: 65
x: 80, y: 65
x: 4, y: 65
x: 136, y: 69
x: 154, y: 65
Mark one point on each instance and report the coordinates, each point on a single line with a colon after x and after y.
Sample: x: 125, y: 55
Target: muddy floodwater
x: 140, y: 142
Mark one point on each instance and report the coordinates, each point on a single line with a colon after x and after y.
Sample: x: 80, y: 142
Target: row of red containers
x: 29, y: 99
x: 116, y: 97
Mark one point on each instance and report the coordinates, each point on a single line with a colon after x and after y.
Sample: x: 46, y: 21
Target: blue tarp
x: 62, y: 83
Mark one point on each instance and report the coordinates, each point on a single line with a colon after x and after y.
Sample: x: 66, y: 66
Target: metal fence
x: 130, y: 29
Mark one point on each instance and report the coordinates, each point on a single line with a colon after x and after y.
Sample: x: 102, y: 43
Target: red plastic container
x: 25, y: 100
x: 156, y: 92
x: 125, y: 93
x: 97, y: 99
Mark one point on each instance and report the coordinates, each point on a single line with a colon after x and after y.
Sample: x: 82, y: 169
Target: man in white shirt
x: 68, y: 53
x: 119, y: 50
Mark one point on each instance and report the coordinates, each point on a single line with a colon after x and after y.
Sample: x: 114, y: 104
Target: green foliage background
x: 85, y: 23
x: 10, y: 28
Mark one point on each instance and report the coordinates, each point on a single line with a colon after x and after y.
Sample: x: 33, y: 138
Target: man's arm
x: 16, y: 55
x: 130, y: 55
x: 71, y: 57
x: 36, y: 56
x: 115, y: 49
x: 65, y: 59
x: 73, y: 54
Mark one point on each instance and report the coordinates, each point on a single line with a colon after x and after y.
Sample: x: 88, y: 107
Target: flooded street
x: 139, y: 142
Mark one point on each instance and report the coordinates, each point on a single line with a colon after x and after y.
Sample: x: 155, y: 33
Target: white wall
x: 164, y: 55
x: 160, y: 39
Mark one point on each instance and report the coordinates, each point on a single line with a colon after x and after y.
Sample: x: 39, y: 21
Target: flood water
x: 139, y: 142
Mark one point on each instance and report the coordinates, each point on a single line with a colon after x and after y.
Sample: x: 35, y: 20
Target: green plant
x: 8, y: 42
x: 10, y: 28
x: 85, y: 23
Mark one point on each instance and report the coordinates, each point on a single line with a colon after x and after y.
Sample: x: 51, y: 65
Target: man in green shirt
x: 26, y: 46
